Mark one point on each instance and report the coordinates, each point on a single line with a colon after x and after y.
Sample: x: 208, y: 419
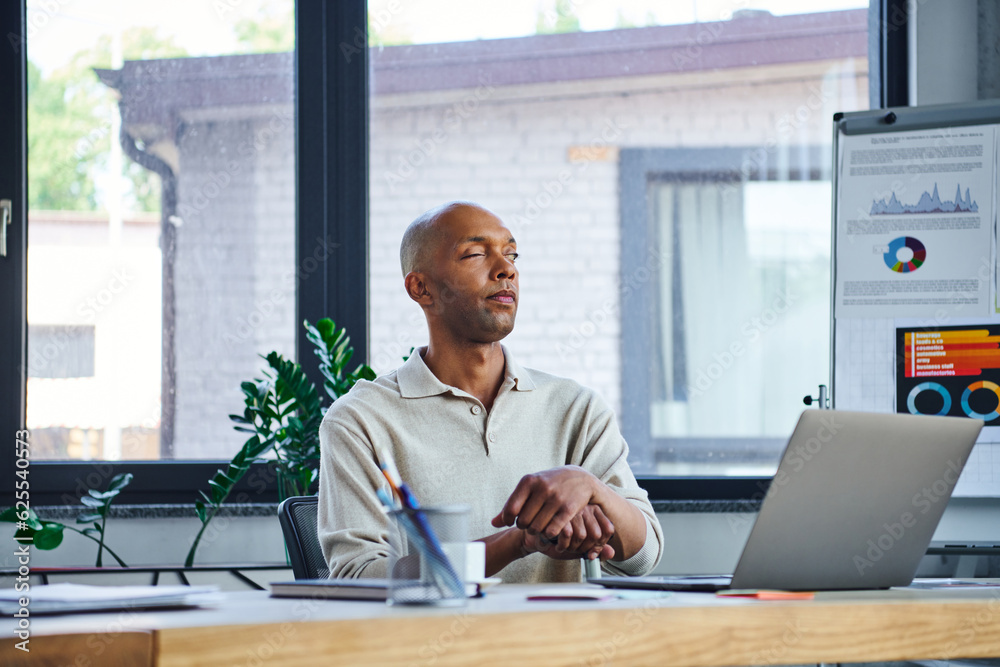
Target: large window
x: 161, y: 221
x: 234, y: 210
x: 665, y: 169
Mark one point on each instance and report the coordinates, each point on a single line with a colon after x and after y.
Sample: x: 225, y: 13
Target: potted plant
x: 46, y: 535
x: 282, y: 413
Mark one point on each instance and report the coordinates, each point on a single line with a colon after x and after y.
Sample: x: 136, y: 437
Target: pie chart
x: 905, y: 254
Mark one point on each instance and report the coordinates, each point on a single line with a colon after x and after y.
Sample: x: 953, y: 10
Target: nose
x: 505, y: 269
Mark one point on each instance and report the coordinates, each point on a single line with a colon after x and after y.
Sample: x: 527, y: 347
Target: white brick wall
x: 234, y: 273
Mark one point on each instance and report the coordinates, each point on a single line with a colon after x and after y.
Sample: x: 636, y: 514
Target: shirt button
x: 476, y: 409
x: 492, y: 437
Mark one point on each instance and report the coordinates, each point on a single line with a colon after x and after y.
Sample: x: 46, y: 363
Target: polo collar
x: 417, y: 381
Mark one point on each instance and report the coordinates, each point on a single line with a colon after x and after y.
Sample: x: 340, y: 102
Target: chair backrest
x: 297, y: 516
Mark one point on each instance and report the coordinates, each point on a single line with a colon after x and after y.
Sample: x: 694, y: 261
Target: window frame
x: 13, y: 267
x: 639, y: 169
x: 332, y: 199
x: 331, y: 143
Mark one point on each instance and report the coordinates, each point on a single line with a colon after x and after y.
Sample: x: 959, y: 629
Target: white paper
x: 915, y: 217
x: 66, y: 597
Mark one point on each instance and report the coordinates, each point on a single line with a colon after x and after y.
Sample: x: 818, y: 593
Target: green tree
x: 273, y: 28
x: 69, y: 127
x: 272, y: 31
x: 624, y: 20
x: 61, y: 159
x: 385, y: 26
x: 562, y: 19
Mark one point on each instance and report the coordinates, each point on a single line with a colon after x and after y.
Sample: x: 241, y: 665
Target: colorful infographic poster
x: 915, y: 224
x: 949, y: 371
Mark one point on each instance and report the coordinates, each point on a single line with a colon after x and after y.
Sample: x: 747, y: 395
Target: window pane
x: 665, y: 169
x: 742, y: 315
x: 161, y: 263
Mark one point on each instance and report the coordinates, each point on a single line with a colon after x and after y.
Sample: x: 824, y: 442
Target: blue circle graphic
x: 988, y: 386
x: 911, y: 400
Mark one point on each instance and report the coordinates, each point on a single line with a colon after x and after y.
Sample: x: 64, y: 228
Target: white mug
x: 472, y: 555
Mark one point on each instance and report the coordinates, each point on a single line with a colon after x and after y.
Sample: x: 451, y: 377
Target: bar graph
x: 950, y: 371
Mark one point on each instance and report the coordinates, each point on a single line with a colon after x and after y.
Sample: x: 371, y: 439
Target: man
x: 465, y: 423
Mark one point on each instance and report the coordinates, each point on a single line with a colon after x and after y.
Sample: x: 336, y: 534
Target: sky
x: 489, y: 19
x: 59, y: 28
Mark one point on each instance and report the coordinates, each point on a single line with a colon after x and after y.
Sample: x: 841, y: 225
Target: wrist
x: 502, y: 549
x: 599, y: 494
x: 521, y: 549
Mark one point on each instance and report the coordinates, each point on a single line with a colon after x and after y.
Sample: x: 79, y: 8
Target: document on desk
x: 72, y: 598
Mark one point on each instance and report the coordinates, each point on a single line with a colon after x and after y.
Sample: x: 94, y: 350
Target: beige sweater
x: 449, y: 449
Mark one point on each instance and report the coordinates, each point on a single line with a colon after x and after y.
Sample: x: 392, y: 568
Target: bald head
x: 421, y: 237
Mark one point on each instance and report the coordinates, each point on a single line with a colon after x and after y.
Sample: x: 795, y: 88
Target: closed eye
x: 474, y: 254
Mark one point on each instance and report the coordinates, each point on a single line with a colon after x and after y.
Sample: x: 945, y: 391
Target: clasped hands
x: 557, y: 512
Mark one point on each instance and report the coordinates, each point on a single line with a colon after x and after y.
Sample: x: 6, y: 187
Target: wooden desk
x: 684, y: 629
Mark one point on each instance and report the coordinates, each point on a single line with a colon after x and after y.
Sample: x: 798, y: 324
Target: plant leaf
x: 91, y: 502
x: 9, y: 515
x: 119, y: 482
x: 50, y: 536
x: 87, y: 518
x: 218, y: 491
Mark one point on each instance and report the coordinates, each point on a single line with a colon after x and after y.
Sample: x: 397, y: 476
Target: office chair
x: 297, y: 516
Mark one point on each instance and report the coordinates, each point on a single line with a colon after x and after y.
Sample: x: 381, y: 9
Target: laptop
x: 853, y: 505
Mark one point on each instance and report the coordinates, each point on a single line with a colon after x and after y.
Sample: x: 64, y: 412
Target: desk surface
x: 685, y: 629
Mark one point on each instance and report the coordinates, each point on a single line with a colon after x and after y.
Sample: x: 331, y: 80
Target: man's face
x: 472, y: 277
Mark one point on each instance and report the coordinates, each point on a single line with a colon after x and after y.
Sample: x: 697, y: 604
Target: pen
x: 386, y: 499
x: 424, y: 535
x: 412, y: 531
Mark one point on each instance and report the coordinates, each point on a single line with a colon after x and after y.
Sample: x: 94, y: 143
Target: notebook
x: 351, y: 589
x: 853, y: 505
x: 338, y: 589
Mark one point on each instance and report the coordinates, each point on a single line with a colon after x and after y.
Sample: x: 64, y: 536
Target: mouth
x: 503, y: 296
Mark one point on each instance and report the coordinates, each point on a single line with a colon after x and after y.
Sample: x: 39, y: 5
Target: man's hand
x: 585, y: 536
x: 546, y: 502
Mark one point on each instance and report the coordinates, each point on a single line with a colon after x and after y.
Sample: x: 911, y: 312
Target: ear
x: 416, y: 288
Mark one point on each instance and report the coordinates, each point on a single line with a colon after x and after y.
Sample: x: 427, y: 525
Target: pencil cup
x: 425, y: 568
